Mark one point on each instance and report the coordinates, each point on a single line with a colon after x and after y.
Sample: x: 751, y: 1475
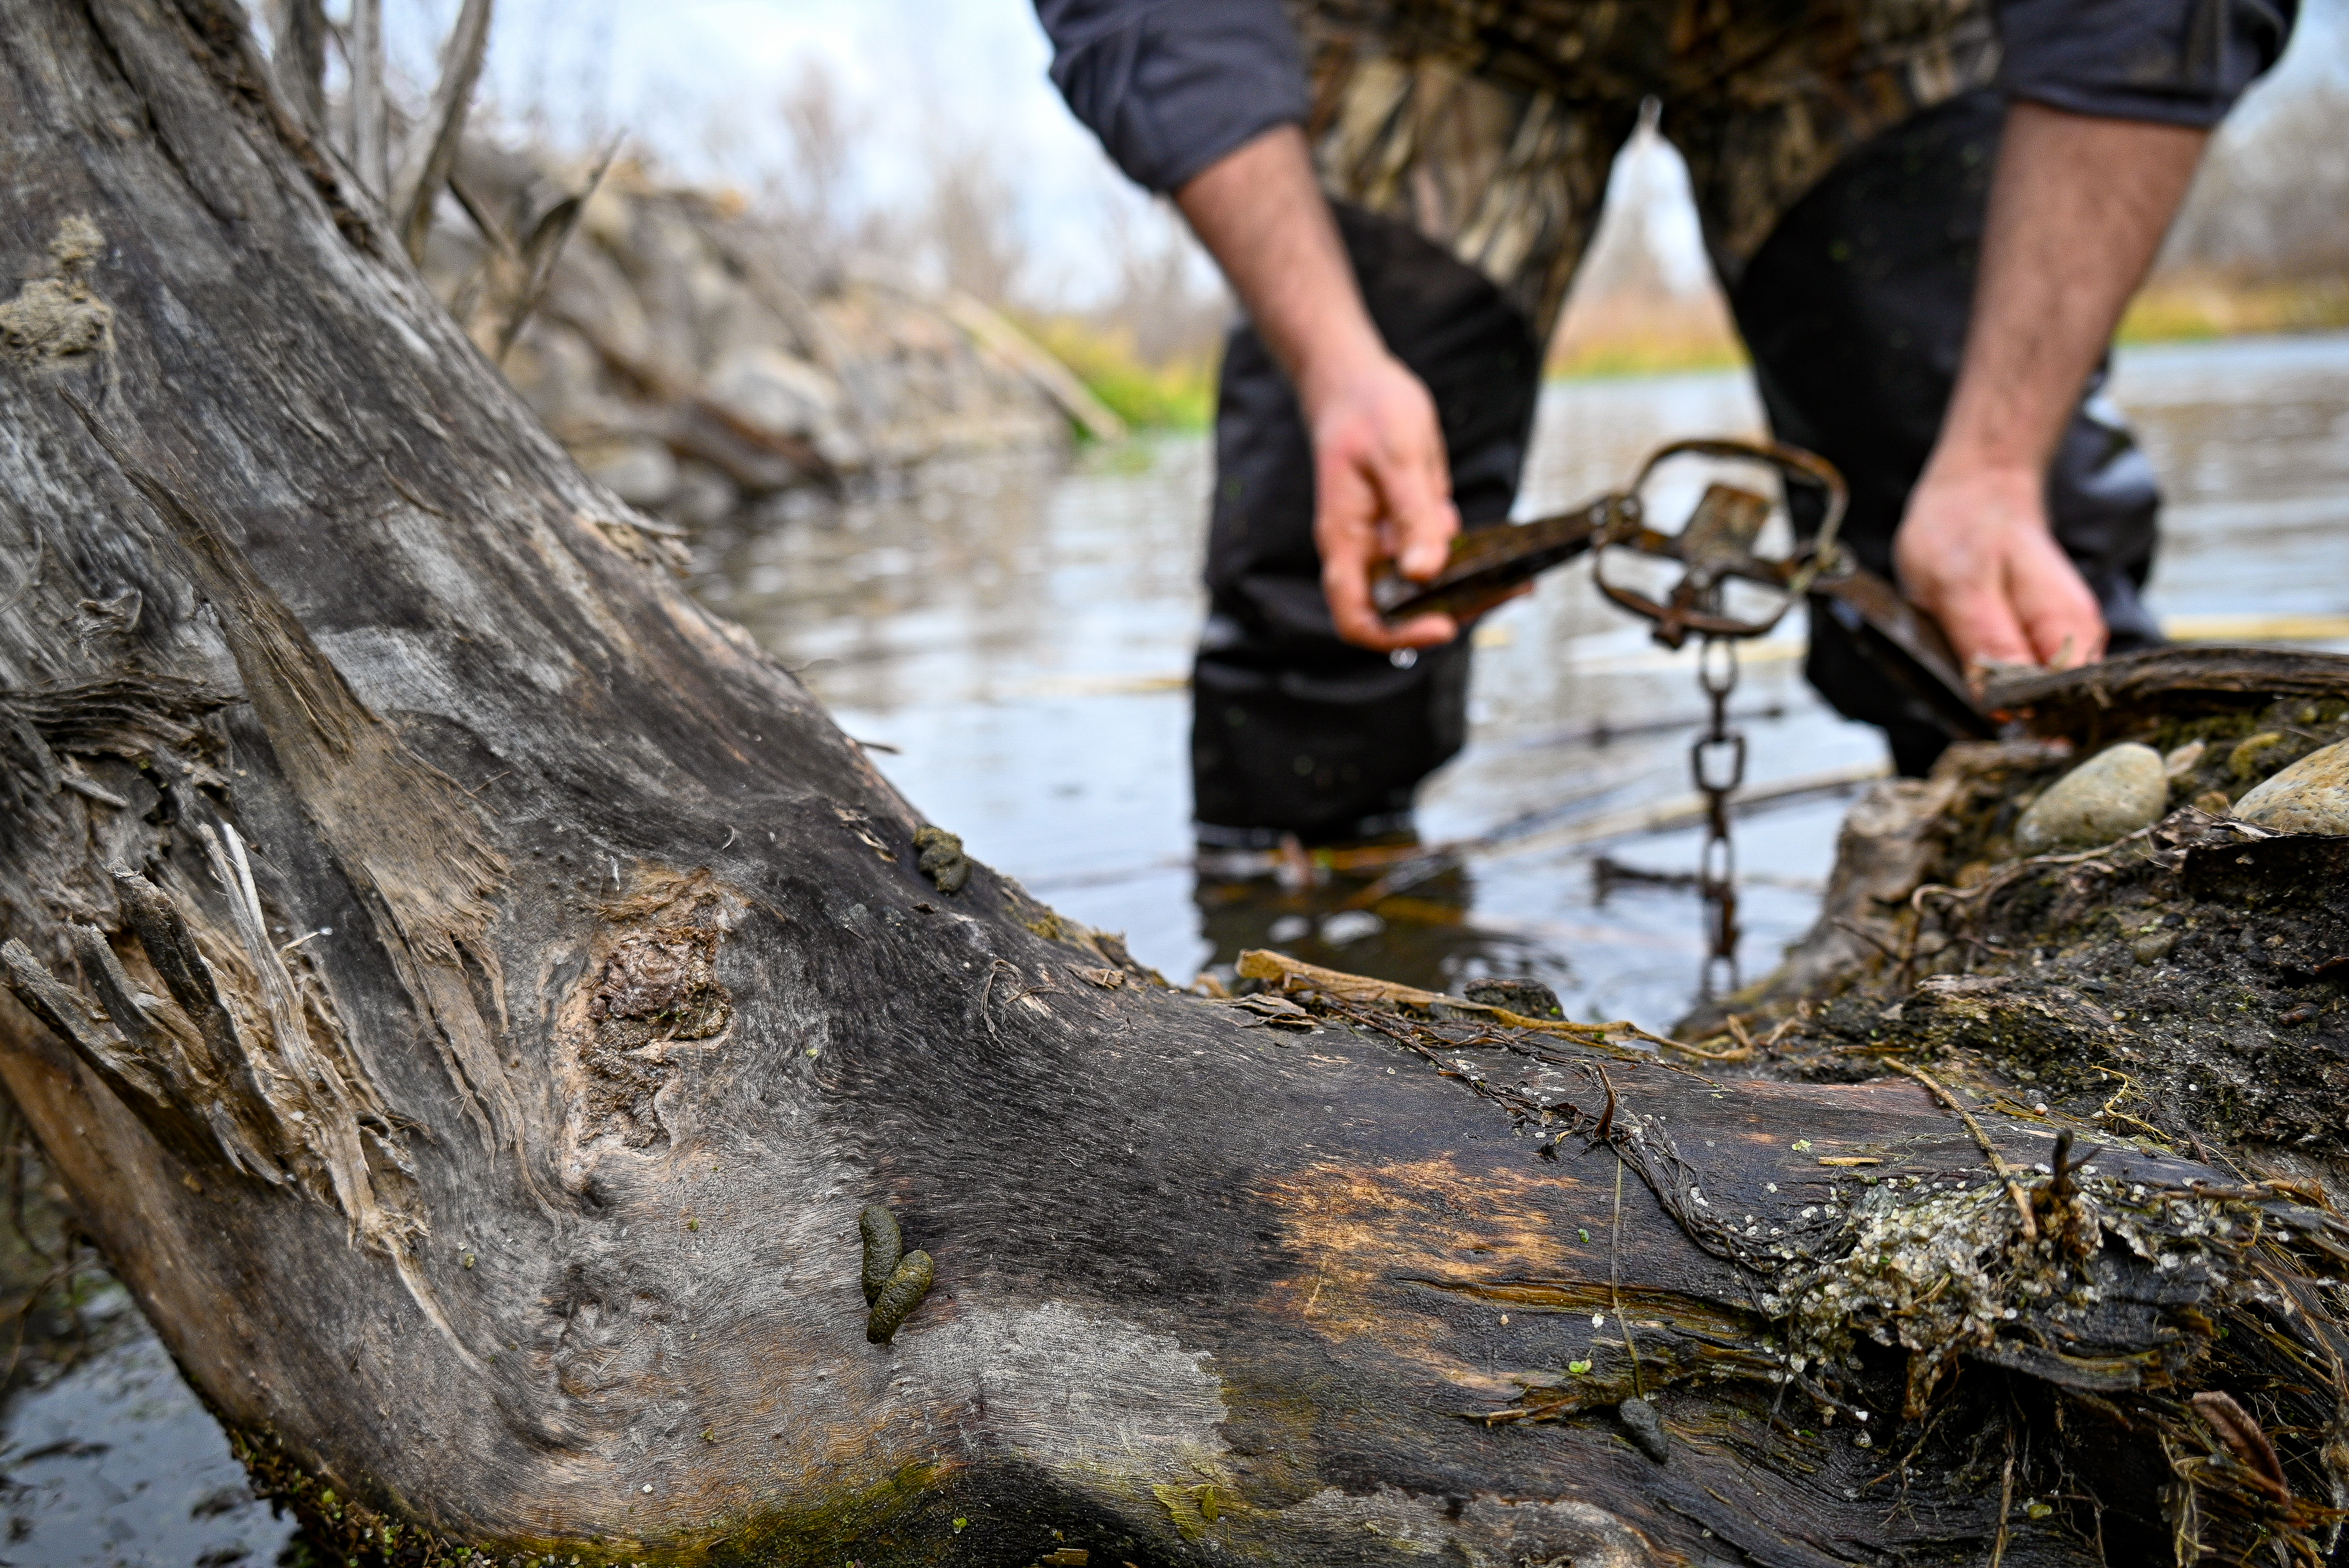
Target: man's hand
x: 1381, y: 492
x: 1976, y: 553
x: 1382, y: 485
x: 2077, y: 208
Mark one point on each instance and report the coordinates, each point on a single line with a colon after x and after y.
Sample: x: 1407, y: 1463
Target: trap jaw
x: 1716, y: 544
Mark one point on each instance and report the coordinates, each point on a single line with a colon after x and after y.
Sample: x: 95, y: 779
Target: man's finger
x: 1425, y: 520
x: 1345, y: 511
x: 1357, y: 621
x: 2056, y: 609
x: 1425, y: 632
x: 1982, y: 628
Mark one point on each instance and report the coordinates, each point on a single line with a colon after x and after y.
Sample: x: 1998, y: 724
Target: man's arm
x: 1381, y: 485
x: 2077, y: 208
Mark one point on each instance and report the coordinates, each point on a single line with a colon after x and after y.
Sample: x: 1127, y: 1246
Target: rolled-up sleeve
x: 1171, y: 86
x: 2181, y: 62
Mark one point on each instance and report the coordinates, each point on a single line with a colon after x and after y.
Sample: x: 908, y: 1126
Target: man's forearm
x: 2077, y: 208
x: 1382, y: 484
x: 1261, y: 215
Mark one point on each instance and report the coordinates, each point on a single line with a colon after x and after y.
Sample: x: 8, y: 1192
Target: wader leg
x: 1855, y: 310
x: 1294, y: 731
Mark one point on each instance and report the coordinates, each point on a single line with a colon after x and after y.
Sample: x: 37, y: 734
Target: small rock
x: 1289, y: 928
x: 1646, y: 1428
x: 1526, y: 998
x: 641, y: 473
x: 2312, y: 796
x: 2118, y: 790
x: 2213, y: 802
x: 2153, y: 948
x: 2183, y: 760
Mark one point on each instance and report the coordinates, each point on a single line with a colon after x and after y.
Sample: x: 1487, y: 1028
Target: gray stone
x: 1646, y: 1426
x: 2118, y: 790
x: 2312, y: 796
x: 641, y: 473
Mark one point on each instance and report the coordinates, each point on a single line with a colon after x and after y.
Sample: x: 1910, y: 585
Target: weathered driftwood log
x: 475, y: 998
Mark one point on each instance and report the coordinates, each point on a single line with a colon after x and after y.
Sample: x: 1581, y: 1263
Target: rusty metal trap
x: 1710, y: 579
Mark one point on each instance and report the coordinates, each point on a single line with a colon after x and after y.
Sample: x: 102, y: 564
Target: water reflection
x: 1019, y: 636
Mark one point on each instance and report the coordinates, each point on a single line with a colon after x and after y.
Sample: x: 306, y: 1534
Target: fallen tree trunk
x: 475, y: 998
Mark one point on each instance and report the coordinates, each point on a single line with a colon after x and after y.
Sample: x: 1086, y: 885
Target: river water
x: 1019, y: 639
x: 1018, y: 636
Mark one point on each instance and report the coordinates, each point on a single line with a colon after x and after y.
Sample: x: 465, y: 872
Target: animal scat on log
x: 1198, y: 1292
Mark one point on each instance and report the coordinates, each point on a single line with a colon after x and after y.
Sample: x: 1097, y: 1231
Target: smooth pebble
x: 2118, y: 790
x: 2312, y: 796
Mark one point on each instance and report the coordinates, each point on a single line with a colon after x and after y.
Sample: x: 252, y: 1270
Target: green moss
x: 901, y: 1520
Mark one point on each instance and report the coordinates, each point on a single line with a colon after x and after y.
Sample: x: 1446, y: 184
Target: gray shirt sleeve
x: 1171, y: 86
x: 2181, y: 62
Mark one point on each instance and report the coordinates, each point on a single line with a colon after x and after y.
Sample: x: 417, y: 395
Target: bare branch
x: 430, y: 154
x: 545, y: 246
x: 369, y: 131
x: 297, y: 57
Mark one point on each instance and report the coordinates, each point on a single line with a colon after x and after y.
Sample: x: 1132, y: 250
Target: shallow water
x: 1019, y: 636
x: 117, y: 1463
x: 1020, y: 640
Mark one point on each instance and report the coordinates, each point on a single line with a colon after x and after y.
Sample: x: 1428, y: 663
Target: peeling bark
x: 474, y: 995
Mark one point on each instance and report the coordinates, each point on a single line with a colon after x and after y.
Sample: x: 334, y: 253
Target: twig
x: 987, y: 994
x: 369, y: 133
x: 1615, y: 1258
x: 1990, y: 1150
x: 431, y: 150
x: 2009, y: 874
x: 1736, y: 1054
x: 2005, y: 1502
x: 483, y: 224
x: 2128, y: 1086
x: 545, y: 246
x: 1864, y: 935
x: 67, y: 1271
x: 298, y: 59
x: 1741, y: 1051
